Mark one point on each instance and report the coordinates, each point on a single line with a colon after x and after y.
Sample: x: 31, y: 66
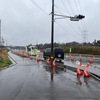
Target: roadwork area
x: 31, y: 80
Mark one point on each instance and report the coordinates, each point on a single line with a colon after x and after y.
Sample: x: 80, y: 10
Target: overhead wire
x: 70, y: 6
x: 82, y: 22
x: 66, y: 30
x: 49, y: 16
x: 63, y: 9
x: 69, y: 24
x: 66, y: 20
x: 78, y: 11
x: 76, y: 25
x: 39, y: 7
x: 77, y: 6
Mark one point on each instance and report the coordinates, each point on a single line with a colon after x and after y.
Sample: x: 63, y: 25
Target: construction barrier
x: 78, y: 71
x: 86, y: 73
x: 38, y: 58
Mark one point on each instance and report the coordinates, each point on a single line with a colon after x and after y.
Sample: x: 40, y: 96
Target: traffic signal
x: 80, y: 16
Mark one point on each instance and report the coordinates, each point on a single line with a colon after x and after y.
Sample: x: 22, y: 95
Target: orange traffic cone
x: 48, y: 61
x: 31, y: 57
x: 86, y: 73
x: 38, y: 58
x: 54, y: 65
x: 91, y: 59
x: 23, y: 53
x: 78, y: 71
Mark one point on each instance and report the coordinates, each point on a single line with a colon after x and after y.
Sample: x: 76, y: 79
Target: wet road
x: 29, y: 80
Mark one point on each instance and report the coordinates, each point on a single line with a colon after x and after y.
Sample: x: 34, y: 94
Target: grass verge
x: 4, y: 60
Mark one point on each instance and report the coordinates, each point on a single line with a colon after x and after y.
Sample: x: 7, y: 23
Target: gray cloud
x: 24, y: 23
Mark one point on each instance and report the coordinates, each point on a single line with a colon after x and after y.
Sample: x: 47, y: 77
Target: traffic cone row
x: 85, y: 72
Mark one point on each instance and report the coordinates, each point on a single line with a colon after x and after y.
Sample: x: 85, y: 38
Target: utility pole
x: 75, y: 18
x: 52, y: 39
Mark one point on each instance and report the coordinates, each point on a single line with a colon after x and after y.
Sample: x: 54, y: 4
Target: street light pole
x: 75, y: 18
x: 52, y: 39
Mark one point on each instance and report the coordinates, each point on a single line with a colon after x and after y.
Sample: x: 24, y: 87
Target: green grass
x: 5, y: 63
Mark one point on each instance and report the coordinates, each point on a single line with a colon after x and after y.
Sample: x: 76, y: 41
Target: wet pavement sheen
x: 29, y: 80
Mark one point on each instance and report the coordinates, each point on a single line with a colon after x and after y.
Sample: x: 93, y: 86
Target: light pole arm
x: 75, y: 18
x: 63, y: 16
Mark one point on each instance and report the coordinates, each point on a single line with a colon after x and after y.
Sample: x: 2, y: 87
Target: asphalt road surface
x: 29, y: 80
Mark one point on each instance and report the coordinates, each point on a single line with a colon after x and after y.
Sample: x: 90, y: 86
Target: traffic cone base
x: 31, y: 57
x: 86, y: 74
x: 79, y: 72
x: 38, y: 58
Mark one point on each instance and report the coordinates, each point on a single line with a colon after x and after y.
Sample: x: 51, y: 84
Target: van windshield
x: 58, y: 50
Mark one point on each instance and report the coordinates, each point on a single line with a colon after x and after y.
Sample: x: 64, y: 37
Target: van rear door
x: 59, y: 53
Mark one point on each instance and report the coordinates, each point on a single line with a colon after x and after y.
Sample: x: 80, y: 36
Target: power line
x: 63, y: 9
x: 39, y: 7
x: 49, y: 16
x: 77, y: 6
x: 70, y: 6
x: 77, y: 25
x: 66, y: 30
x: 68, y: 22
x: 65, y: 6
x: 82, y: 22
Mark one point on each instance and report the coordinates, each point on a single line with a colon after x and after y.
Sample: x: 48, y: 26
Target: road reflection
x: 79, y: 80
x: 86, y: 80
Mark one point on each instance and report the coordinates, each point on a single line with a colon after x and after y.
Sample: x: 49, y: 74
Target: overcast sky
x: 28, y: 21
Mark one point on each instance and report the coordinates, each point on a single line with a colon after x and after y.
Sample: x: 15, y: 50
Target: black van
x: 58, y: 53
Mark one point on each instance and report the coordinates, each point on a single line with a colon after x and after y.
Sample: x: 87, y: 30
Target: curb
x: 12, y: 60
x: 74, y: 69
x: 92, y: 74
x: 95, y: 76
x: 13, y: 63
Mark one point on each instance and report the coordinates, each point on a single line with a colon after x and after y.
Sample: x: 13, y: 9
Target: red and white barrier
x: 91, y: 59
x: 78, y: 71
x: 54, y: 64
x: 48, y: 61
x: 86, y: 73
x: 38, y: 58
